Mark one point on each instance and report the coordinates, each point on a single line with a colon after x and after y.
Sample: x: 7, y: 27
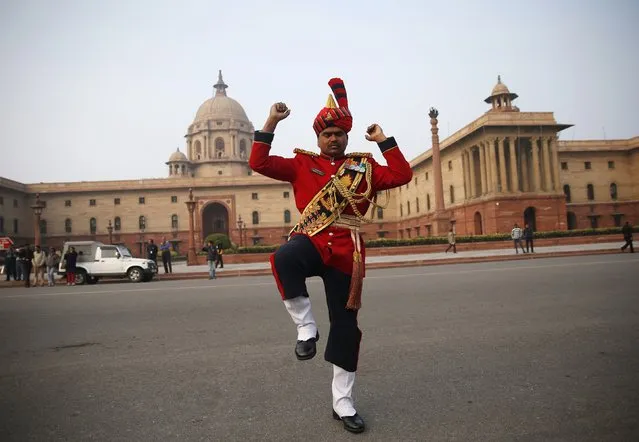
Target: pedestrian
x: 20, y: 257
x: 627, y: 237
x: 10, y: 264
x: 27, y: 264
x: 39, y: 263
x: 165, y: 248
x: 53, y: 260
x: 220, y: 259
x: 211, y: 258
x: 516, y: 235
x: 70, y: 260
x: 152, y: 252
x: 332, y: 191
x: 528, y: 236
x: 451, y: 241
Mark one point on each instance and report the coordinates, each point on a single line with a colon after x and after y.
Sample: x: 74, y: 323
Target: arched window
x: 287, y: 216
x: 613, y: 191
x: 43, y: 227
x: 452, y: 194
x: 198, y: 150
x: 256, y: 217
x: 183, y: 169
x: 93, y: 226
x: 417, y: 205
x: 590, y: 191
x: 567, y: 192
x: 380, y: 213
x: 428, y: 202
x: 243, y: 149
x: 401, y: 210
x: 67, y: 225
x: 117, y: 223
x: 15, y: 225
x: 142, y: 222
x: 174, y: 221
x: 1, y: 224
x: 407, y: 207
x: 219, y: 147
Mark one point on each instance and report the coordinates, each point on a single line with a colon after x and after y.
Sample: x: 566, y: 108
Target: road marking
x: 316, y: 280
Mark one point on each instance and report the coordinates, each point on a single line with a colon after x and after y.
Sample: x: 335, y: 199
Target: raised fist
x: 279, y: 111
x: 374, y: 133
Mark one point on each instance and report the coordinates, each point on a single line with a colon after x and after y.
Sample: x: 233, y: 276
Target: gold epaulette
x: 359, y: 154
x: 306, y: 152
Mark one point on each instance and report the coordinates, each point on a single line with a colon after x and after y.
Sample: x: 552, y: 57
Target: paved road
x: 542, y: 350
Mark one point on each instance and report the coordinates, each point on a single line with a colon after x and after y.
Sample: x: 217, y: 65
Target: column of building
x: 514, y: 175
x: 547, y: 175
x: 484, y: 173
x: 556, y: 165
x: 465, y: 174
x: 502, y: 164
x: 525, y: 179
x: 493, y: 164
x: 536, y: 184
x: 473, y: 178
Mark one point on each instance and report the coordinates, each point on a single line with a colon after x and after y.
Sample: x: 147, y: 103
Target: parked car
x: 97, y: 260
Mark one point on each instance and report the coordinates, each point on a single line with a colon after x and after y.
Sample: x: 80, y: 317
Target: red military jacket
x: 309, y: 172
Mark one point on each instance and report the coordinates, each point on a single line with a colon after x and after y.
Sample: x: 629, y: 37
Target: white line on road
x: 271, y: 283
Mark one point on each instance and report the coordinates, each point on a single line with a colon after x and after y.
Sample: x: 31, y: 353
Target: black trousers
x: 298, y: 260
x: 628, y: 243
x: 219, y: 261
x: 529, y: 245
x: 166, y: 260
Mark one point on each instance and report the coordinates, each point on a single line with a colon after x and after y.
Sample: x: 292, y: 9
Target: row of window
x: 142, y: 222
x: 15, y: 202
x: 255, y: 196
x: 451, y: 193
x: 416, y: 179
x: 587, y: 165
x: 590, y: 192
x: 142, y: 200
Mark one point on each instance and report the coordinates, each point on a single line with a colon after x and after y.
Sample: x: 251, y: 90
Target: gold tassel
x: 357, y: 281
x: 357, y: 276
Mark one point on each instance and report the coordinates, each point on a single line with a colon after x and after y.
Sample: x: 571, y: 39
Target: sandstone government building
x: 504, y: 167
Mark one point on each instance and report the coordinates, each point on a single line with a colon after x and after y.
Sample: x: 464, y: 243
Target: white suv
x: 96, y: 260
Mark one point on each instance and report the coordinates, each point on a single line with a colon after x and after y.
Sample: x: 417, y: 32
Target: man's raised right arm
x: 261, y: 161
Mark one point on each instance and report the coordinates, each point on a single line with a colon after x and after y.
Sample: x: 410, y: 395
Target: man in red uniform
x: 333, y: 191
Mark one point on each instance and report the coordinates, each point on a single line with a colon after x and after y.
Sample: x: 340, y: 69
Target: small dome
x: 500, y: 88
x: 177, y: 156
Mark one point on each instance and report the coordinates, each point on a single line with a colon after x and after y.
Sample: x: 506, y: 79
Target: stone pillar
x: 484, y: 173
x: 536, y: 165
x: 493, y: 165
x: 525, y: 179
x: 465, y: 174
x: 437, y: 163
x: 502, y: 165
x: 556, y: 164
x: 473, y: 178
x: 547, y: 171
x: 190, y: 205
x: 514, y: 176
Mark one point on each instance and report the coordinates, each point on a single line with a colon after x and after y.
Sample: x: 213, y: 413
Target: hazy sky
x: 104, y: 90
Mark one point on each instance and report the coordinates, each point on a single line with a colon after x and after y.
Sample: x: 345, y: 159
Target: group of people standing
x: 20, y: 263
x: 516, y: 234
x: 165, y: 250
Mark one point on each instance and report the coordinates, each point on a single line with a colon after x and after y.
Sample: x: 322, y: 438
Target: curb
x: 377, y: 265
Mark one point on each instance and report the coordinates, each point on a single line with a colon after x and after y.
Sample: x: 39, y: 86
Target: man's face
x: 332, y: 142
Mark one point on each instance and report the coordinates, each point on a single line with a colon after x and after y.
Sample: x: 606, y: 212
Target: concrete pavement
x: 534, y: 350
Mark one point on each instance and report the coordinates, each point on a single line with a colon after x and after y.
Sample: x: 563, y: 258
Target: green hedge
x: 385, y: 242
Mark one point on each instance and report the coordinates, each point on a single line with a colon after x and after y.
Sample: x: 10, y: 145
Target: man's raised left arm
x: 398, y: 171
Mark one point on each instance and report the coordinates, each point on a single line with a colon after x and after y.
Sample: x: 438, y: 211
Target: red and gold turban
x: 331, y: 115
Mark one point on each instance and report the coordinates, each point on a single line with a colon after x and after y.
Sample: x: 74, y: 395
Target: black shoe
x: 305, y: 350
x: 354, y: 424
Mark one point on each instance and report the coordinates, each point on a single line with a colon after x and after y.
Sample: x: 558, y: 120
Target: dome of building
x: 500, y: 88
x: 177, y: 156
x: 220, y: 106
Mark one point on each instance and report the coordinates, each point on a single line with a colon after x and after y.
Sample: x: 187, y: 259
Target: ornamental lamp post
x: 37, y: 212
x: 110, y: 230
x: 190, y: 205
x: 240, y: 226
